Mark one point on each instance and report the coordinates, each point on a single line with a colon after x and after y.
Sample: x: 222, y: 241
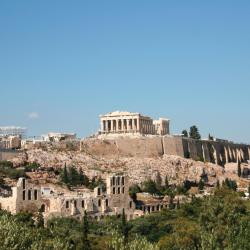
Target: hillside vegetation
x: 221, y: 221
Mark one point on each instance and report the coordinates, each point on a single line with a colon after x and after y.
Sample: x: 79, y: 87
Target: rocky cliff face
x: 137, y: 168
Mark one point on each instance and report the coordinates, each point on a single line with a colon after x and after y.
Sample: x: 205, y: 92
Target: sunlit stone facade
x: 123, y: 122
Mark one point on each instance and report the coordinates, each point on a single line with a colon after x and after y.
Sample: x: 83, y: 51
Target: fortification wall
x: 218, y: 152
x: 8, y: 155
x: 124, y: 147
x: 174, y: 146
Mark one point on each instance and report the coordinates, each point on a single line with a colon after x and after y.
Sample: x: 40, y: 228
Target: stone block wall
x: 8, y: 155
x: 218, y: 152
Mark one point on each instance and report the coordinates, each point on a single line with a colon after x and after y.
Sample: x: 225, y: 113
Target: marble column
x: 111, y: 121
x: 128, y: 126
x: 133, y: 124
x: 138, y: 124
x: 117, y: 125
x: 122, y: 125
x: 102, y: 126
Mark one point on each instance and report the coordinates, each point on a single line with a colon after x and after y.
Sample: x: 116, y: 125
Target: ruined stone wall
x: 8, y: 155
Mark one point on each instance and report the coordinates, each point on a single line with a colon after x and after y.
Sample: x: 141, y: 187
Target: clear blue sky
x: 62, y: 63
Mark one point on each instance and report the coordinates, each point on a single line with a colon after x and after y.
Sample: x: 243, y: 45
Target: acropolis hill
x: 141, y: 147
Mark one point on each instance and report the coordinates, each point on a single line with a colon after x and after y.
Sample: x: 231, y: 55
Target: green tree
x: 220, y: 216
x: 201, y: 184
x: 64, y: 176
x: 184, y: 133
x: 158, y: 181
x: 150, y: 186
x: 239, y: 169
x: 166, y: 182
x: 40, y: 219
x: 124, y: 227
x: 194, y: 133
x: 178, y: 204
x: 85, y: 240
x: 133, y: 190
x: 171, y: 203
x: 218, y: 184
x: 83, y: 179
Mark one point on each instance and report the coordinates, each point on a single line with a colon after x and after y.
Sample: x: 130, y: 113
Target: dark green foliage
x: 218, y: 184
x: 201, y: 184
x: 180, y: 189
x: 31, y: 167
x: 85, y: 240
x: 133, y: 190
x: 239, y: 169
x: 184, y: 133
x: 178, y: 204
x: 231, y: 184
x: 25, y: 217
x: 194, y: 133
x: 219, y: 221
x: 7, y: 170
x: 188, y: 184
x: 64, y: 175
x: 166, y: 182
x: 124, y: 227
x: 40, y: 219
x: 95, y: 182
x: 150, y: 186
x: 71, y: 177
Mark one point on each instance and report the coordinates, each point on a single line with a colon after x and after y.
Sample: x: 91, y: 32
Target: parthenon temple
x: 120, y: 122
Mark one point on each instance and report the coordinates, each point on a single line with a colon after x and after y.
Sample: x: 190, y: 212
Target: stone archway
x: 42, y: 208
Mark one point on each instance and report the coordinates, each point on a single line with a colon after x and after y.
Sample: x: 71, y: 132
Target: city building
x: 123, y: 122
x: 56, y: 137
x: 10, y: 142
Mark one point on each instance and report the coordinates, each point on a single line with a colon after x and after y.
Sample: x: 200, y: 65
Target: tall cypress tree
x: 239, y: 169
x: 166, y: 182
x: 65, y: 177
x: 85, y: 240
x: 124, y: 227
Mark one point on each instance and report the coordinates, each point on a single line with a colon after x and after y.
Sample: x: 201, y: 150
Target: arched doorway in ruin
x: 42, y: 208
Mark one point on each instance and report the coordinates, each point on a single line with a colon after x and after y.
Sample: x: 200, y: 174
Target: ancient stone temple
x: 123, y: 122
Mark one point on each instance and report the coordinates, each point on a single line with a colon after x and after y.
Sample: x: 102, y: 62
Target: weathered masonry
x: 30, y: 197
x: 216, y: 151
x: 133, y: 123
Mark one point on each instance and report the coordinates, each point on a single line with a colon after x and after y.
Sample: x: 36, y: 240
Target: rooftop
x: 116, y: 113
